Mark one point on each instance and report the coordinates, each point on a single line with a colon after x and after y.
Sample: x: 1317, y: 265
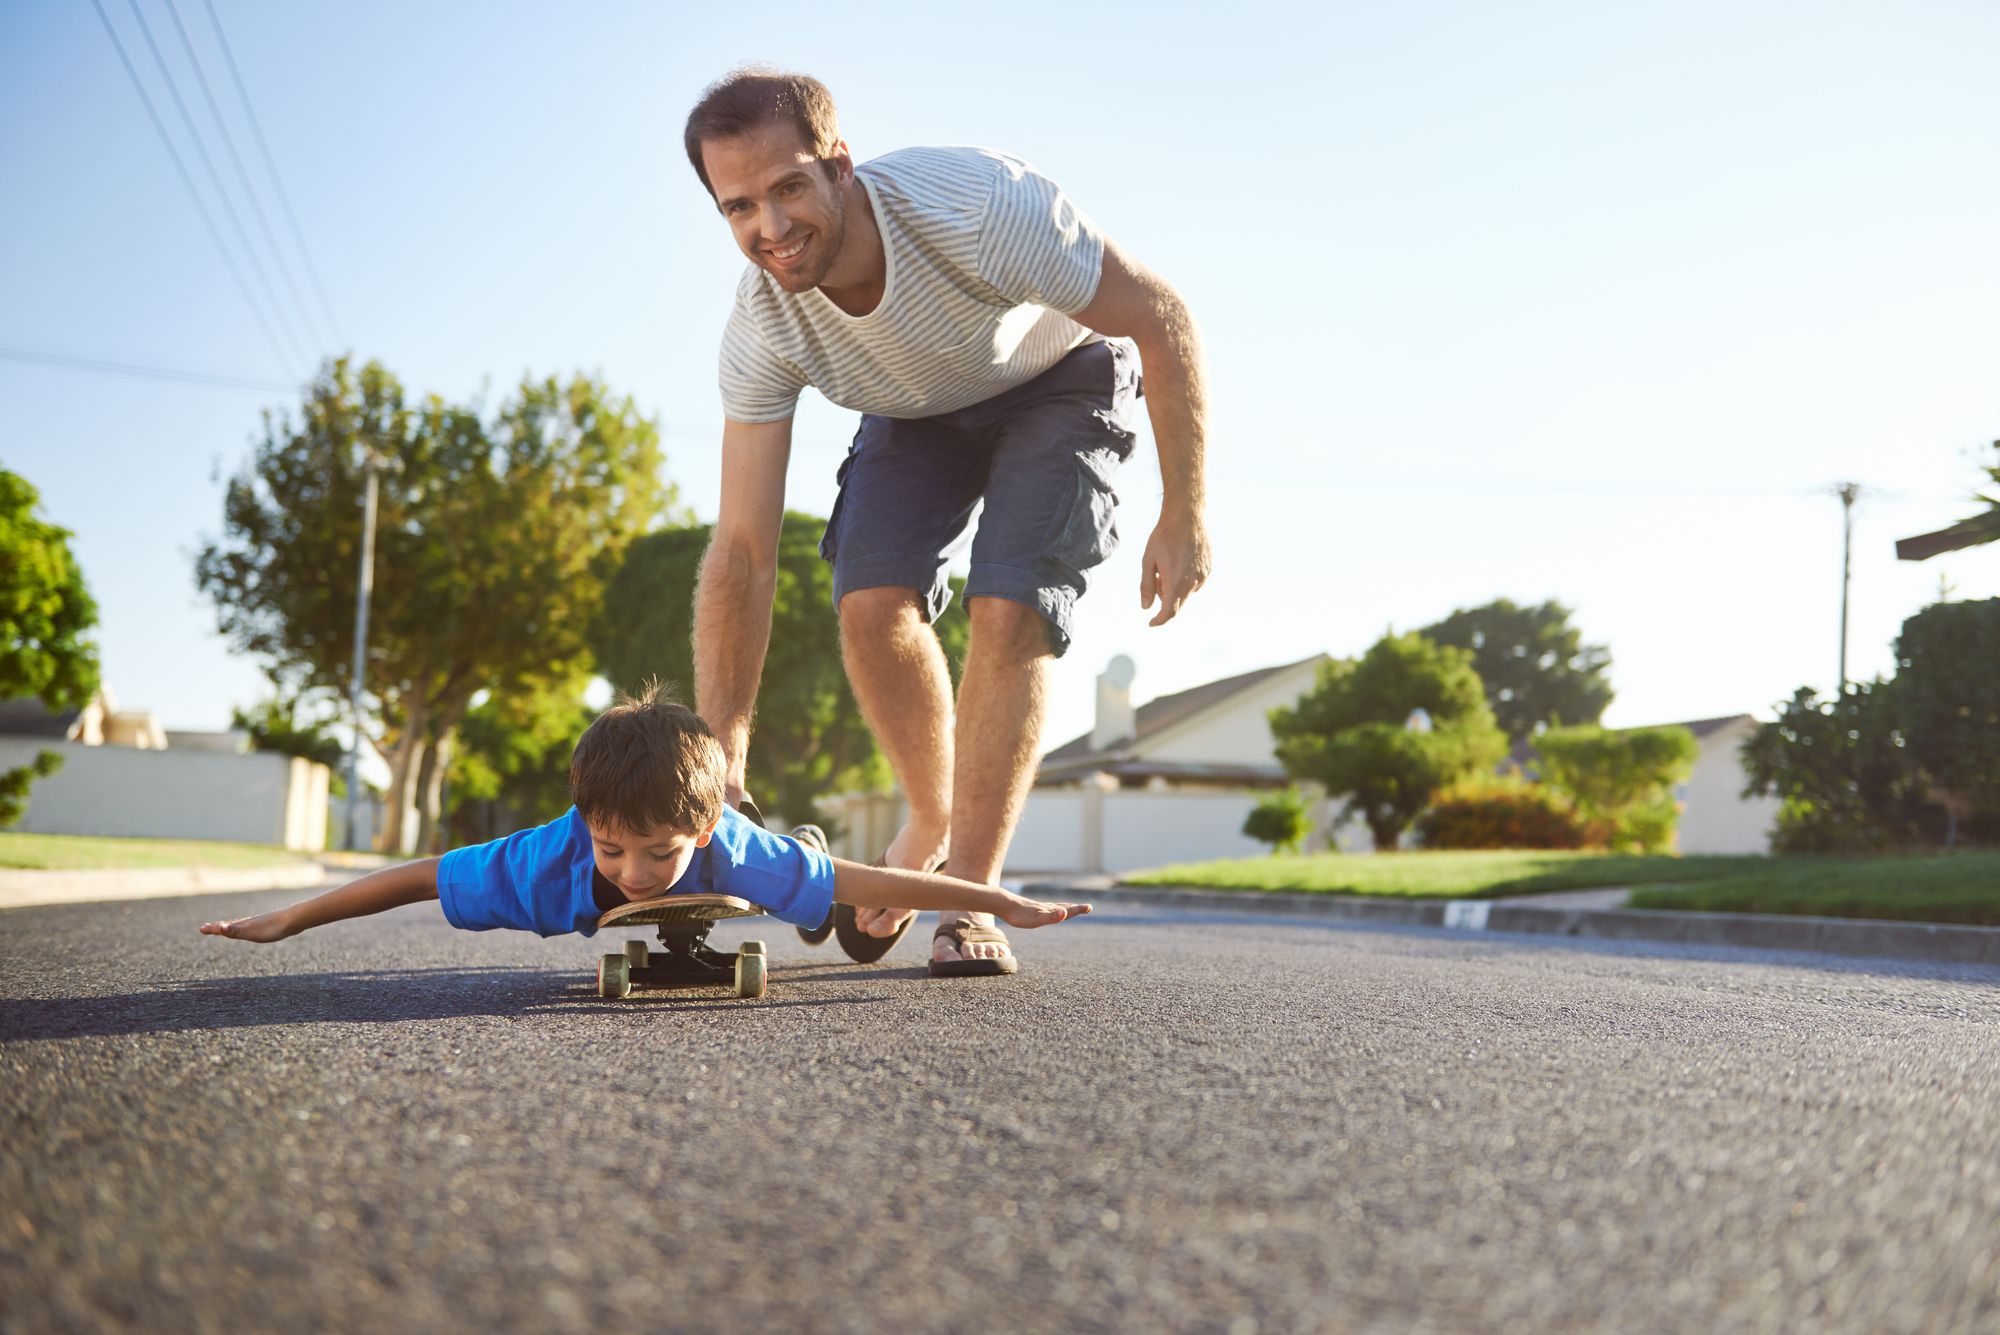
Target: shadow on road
x: 377, y: 996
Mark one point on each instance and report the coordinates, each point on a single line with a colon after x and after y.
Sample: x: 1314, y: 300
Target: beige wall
x: 1240, y: 735
x: 116, y: 790
x: 1716, y: 817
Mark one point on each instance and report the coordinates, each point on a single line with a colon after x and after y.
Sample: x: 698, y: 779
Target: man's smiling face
x: 787, y: 212
x: 647, y: 862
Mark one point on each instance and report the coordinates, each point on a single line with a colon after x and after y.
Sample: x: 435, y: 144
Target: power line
x: 215, y: 179
x: 227, y: 257
x: 133, y: 371
x: 257, y: 130
x: 249, y: 191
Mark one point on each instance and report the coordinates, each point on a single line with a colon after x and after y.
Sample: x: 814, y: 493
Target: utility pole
x: 366, y: 587
x: 1847, y: 491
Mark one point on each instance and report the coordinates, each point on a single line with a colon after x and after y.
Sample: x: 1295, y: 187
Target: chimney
x: 1117, y: 721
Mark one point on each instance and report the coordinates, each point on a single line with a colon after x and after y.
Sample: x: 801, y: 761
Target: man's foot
x: 912, y: 850
x: 970, y: 944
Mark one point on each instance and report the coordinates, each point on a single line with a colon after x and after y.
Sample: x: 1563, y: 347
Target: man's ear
x: 843, y: 162
x: 701, y: 840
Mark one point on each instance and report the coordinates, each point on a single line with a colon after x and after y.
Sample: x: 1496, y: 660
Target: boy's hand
x: 1034, y: 913
x: 264, y: 927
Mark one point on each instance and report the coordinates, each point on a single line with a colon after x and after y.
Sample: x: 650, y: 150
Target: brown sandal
x: 862, y: 947
x: 960, y: 934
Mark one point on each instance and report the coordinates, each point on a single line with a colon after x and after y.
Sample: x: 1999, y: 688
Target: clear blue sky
x: 1566, y: 301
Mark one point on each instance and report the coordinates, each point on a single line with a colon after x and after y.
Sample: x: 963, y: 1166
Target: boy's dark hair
x: 754, y: 96
x: 648, y: 762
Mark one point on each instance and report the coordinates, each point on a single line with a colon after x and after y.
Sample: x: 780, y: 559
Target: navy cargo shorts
x: 1040, y: 455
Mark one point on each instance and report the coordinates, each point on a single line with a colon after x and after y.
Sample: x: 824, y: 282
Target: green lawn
x: 1443, y: 875
x: 1938, y: 887
x: 67, y: 852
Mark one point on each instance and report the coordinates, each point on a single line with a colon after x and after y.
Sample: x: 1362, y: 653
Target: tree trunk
x: 430, y: 777
x: 1388, y: 834
x: 404, y: 759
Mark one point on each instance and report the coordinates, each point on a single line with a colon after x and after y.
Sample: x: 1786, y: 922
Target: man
x: 963, y: 305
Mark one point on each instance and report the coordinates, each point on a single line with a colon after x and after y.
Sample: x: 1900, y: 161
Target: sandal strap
x: 959, y: 933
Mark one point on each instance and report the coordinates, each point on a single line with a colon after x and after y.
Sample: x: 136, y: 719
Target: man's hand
x: 1176, y: 563
x: 265, y: 927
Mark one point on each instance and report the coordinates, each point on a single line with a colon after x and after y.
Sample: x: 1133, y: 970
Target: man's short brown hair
x: 648, y: 762
x: 754, y: 96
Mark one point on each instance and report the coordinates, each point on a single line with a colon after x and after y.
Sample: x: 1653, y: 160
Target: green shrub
x: 1501, y: 814
x: 1279, y: 820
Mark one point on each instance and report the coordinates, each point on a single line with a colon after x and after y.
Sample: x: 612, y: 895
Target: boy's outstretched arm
x: 889, y: 888
x: 391, y: 887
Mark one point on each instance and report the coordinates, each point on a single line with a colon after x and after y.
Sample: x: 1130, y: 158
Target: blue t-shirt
x: 539, y: 880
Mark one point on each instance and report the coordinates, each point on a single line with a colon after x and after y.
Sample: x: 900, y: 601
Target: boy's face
x: 648, y: 862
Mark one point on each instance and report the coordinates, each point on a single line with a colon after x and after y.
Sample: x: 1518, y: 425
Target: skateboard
x: 684, y: 922
x: 688, y: 960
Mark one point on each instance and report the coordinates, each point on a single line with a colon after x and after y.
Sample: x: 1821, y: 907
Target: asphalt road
x: 1168, y: 1121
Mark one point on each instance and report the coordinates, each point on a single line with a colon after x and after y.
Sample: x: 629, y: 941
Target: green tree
x: 46, y: 616
x: 1352, y: 731
x: 511, y: 768
x: 275, y: 726
x: 1279, y: 820
x: 1948, y: 701
x: 1623, y: 778
x: 1844, y: 778
x: 1536, y: 667
x: 809, y: 739
x: 493, y: 543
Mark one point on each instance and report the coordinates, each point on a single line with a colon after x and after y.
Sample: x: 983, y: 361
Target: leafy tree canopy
x: 494, y: 539
x: 46, y: 611
x: 46, y: 615
x: 1844, y: 777
x: 512, y: 765
x: 1352, y: 733
x: 1624, y: 778
x: 1536, y: 668
x: 809, y: 738
x: 1948, y: 697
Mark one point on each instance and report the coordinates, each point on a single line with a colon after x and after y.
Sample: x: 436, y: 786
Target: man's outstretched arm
x: 389, y: 888
x: 739, y: 579
x: 1134, y: 302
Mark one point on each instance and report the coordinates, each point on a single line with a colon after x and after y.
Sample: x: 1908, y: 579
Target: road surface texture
x: 1168, y: 1121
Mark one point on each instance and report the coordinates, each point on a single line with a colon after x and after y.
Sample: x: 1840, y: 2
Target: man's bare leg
x: 997, y: 740
x: 898, y: 673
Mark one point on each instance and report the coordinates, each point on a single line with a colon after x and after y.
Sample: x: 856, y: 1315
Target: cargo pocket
x: 1088, y: 532
x: 829, y: 541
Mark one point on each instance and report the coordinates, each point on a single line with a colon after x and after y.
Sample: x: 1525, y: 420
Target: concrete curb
x: 1940, y: 942
x: 27, y: 889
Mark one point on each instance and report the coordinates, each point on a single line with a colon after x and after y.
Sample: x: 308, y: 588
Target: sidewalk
x: 1594, y: 914
x: 28, y: 889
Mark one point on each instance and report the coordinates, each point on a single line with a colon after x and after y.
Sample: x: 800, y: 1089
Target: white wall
x: 1716, y: 817
x: 1144, y: 829
x: 1052, y: 834
x: 116, y: 790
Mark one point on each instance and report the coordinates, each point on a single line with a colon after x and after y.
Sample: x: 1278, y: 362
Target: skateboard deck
x: 678, y: 909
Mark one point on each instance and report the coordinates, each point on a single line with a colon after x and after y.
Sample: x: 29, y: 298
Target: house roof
x: 26, y: 716
x: 1156, y: 716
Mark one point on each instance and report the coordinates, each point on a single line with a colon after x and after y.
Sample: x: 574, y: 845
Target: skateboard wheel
x: 750, y: 971
x: 636, y: 954
x: 614, y: 977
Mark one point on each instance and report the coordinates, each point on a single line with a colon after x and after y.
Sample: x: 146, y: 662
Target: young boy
x: 647, y: 780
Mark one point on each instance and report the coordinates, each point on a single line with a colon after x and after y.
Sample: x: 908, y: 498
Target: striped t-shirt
x: 986, y: 259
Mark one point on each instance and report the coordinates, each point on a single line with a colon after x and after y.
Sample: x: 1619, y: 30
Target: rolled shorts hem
x: 1056, y: 602
x: 895, y: 570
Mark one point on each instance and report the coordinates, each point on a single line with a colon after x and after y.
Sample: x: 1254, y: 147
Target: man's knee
x: 879, y: 611
x: 1003, y: 626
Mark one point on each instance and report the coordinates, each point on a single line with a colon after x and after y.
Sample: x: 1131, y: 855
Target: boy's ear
x: 701, y: 840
